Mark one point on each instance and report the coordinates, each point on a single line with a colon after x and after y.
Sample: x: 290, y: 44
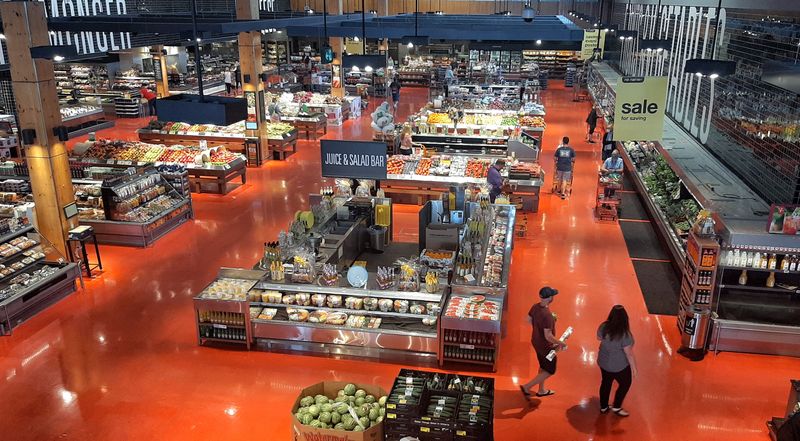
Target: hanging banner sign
x: 590, y: 37
x: 88, y: 42
x: 353, y: 159
x: 639, y: 108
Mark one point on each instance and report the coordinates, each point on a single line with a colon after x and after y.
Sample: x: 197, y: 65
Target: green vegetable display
x: 322, y: 412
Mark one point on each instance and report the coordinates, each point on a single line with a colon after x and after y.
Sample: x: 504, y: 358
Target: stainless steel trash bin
x: 377, y: 238
x: 694, y: 335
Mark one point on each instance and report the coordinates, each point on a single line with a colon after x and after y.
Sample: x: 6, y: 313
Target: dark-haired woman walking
x: 615, y: 359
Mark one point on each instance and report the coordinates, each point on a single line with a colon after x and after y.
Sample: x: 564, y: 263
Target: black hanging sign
x: 353, y: 159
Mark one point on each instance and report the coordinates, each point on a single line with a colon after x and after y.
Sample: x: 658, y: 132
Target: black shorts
x: 545, y: 364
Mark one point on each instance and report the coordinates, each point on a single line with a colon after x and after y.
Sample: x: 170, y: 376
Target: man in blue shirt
x: 495, y: 179
x: 565, y: 161
x: 612, y: 165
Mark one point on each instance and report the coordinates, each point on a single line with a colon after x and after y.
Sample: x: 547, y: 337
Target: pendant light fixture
x: 710, y: 67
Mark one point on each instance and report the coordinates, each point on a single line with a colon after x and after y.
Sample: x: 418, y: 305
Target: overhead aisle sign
x: 640, y: 108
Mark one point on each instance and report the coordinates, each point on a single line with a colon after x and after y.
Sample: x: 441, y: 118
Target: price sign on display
x: 353, y: 159
x: 639, y: 108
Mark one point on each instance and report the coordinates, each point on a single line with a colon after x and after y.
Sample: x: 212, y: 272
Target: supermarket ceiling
x: 443, y: 27
x: 450, y: 27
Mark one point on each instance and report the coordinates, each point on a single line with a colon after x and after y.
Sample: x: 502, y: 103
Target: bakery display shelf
x: 348, y: 311
x: 385, y: 328
x: 21, y: 270
x: 347, y: 291
x: 27, y: 301
x: 16, y: 233
x: 140, y: 234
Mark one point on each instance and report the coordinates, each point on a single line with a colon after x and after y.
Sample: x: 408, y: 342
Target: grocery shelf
x: 348, y: 311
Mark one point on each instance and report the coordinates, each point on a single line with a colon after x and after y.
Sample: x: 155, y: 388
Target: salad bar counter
x: 324, y: 287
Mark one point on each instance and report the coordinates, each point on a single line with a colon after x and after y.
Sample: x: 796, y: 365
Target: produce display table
x: 232, y: 143
x: 217, y: 177
x: 311, y: 124
x: 281, y: 147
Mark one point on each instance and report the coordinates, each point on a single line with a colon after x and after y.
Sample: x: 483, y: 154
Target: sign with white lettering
x: 88, y: 42
x: 353, y: 159
x: 639, y: 108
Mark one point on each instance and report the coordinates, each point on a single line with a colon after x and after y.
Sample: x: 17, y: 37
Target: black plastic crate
x: 428, y: 399
x: 432, y: 430
x: 395, y: 430
x: 475, y: 429
x: 404, y: 406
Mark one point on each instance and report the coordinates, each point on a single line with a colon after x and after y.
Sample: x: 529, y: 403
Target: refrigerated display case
x: 139, y: 208
x: 33, y: 274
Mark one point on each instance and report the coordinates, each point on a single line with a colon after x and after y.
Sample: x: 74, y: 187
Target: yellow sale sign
x: 639, y: 108
x: 590, y: 37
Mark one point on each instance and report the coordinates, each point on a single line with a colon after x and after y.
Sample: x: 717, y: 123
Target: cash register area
x: 120, y: 360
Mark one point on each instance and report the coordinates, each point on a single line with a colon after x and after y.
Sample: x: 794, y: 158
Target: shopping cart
x: 566, y: 194
x: 607, y: 198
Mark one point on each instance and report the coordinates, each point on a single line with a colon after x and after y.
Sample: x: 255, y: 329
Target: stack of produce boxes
x: 440, y: 407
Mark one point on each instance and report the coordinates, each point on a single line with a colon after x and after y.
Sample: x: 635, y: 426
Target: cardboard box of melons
x: 349, y: 402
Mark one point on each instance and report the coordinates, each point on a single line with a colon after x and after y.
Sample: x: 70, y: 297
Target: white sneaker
x: 620, y: 411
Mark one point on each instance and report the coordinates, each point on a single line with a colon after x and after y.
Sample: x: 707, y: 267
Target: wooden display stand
x: 312, y: 127
x: 218, y: 179
x: 283, y: 147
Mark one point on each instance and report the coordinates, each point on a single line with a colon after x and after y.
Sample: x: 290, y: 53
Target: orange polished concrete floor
x: 120, y: 361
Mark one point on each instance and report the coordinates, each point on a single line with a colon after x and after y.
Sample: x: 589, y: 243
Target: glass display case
x: 32, y: 273
x: 139, y: 207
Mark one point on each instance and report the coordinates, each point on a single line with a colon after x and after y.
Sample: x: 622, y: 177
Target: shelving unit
x: 32, y: 277
x: 225, y: 320
x: 128, y: 107
x: 698, y: 282
x: 555, y: 62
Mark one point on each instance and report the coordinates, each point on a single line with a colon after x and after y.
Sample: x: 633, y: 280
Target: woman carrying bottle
x: 615, y: 359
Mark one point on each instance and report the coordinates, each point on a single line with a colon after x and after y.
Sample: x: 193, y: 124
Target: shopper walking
x: 543, y: 340
x: 495, y: 179
x: 238, y: 76
x: 395, y: 89
x: 591, y: 120
x: 565, y: 162
x: 615, y: 359
x: 608, y: 142
x: 227, y: 77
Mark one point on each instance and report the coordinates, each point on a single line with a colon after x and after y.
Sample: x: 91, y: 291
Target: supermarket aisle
x: 119, y: 361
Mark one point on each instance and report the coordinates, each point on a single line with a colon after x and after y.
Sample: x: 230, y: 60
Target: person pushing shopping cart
x: 565, y: 162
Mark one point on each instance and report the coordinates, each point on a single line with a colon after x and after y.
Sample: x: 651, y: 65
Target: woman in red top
x: 150, y: 96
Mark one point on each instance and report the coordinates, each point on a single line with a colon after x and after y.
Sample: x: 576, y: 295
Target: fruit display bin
x: 407, y: 185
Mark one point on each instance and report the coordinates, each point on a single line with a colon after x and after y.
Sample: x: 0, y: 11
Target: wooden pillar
x: 251, y: 65
x: 337, y: 44
x: 34, y: 87
x: 160, y: 67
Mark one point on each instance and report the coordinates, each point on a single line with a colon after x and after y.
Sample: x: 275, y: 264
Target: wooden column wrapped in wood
x: 34, y: 87
x: 251, y: 64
